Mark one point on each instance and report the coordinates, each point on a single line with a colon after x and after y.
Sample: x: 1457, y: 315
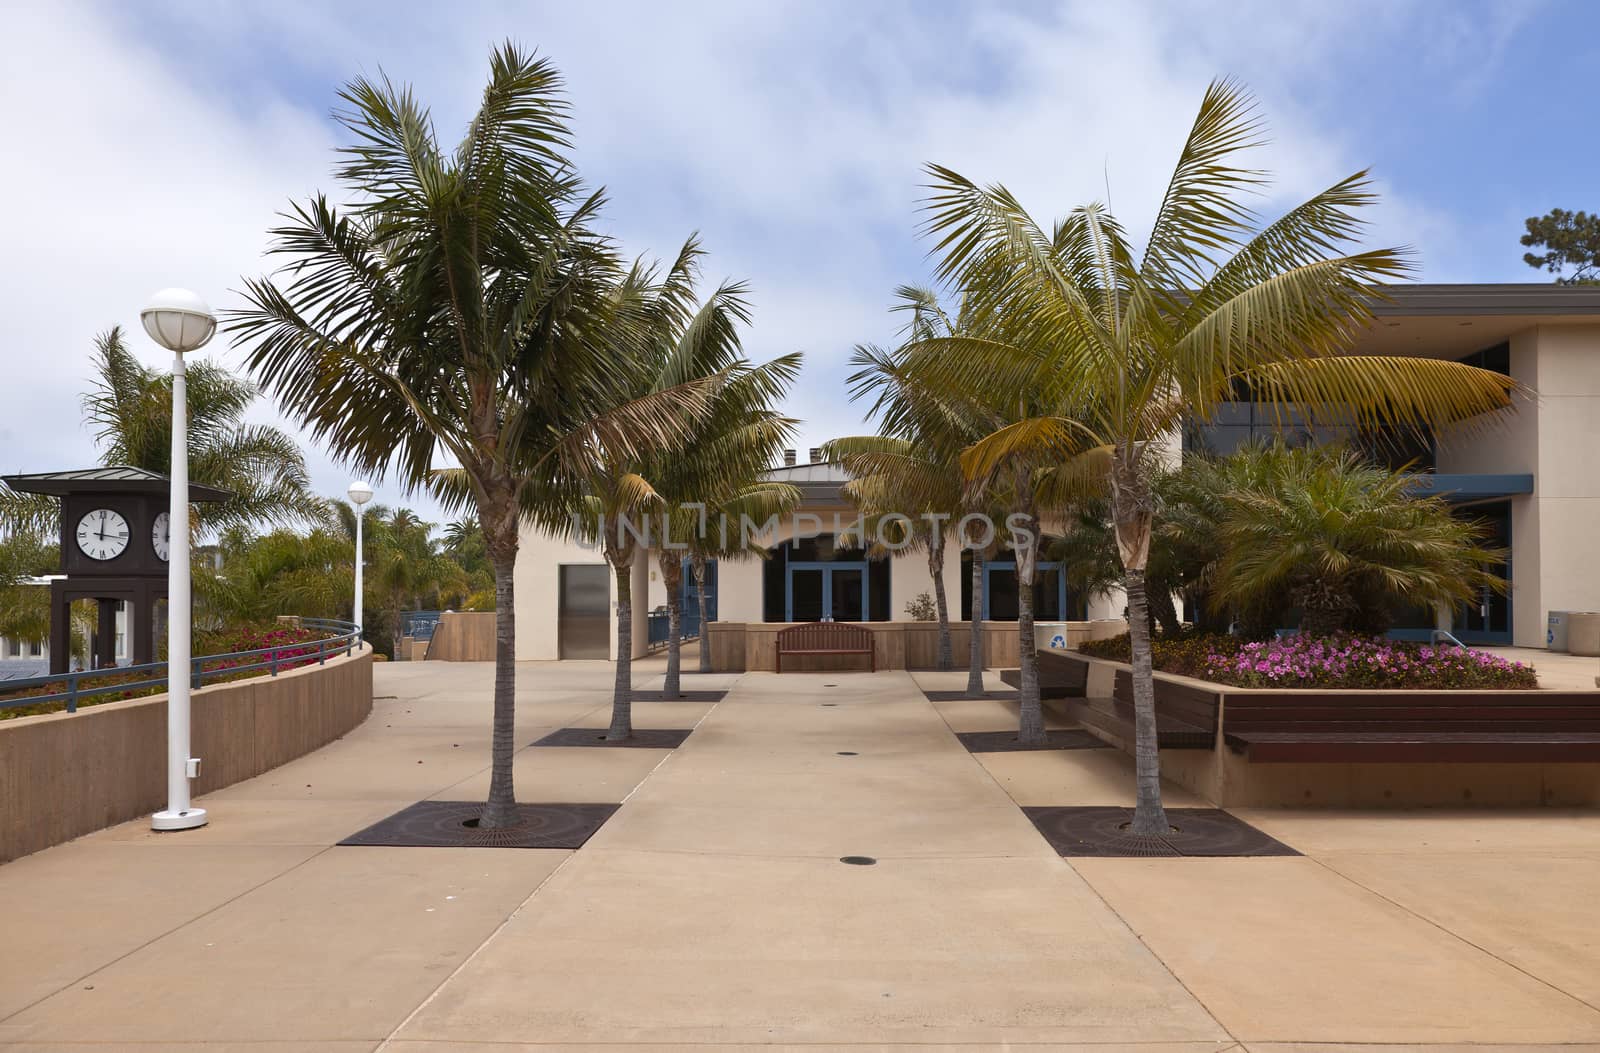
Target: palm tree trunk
x: 672, y: 577
x: 501, y: 807
x: 975, y: 643
x: 1163, y: 611
x: 1030, y: 731
x: 936, y: 568
x: 1149, y: 817
x: 622, y: 697
x: 1031, y: 714
x: 697, y: 565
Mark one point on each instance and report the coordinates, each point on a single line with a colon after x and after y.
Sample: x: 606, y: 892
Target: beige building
x: 1534, y: 477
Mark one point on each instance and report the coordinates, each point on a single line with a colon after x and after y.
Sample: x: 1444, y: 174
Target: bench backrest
x: 825, y: 636
x: 1186, y: 702
x: 1546, y: 711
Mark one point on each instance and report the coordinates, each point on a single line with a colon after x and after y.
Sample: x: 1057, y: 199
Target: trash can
x: 1556, y: 630
x: 1583, y: 633
x: 1050, y: 636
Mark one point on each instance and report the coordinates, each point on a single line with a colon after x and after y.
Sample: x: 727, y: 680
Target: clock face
x: 103, y: 534
x: 159, y: 536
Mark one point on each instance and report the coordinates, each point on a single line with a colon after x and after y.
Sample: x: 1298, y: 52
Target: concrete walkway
x: 713, y: 908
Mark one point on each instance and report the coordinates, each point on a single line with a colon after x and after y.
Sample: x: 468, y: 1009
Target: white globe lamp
x: 179, y: 321
x: 360, y: 493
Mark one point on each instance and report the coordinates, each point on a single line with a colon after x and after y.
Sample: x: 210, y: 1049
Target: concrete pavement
x: 713, y: 908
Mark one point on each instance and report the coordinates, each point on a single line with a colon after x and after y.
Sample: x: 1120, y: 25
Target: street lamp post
x: 179, y: 321
x: 360, y: 493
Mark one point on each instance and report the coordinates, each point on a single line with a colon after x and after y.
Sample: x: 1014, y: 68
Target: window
x: 1496, y: 359
x: 809, y: 579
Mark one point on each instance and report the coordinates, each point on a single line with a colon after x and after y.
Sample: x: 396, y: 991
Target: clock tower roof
x: 115, y: 479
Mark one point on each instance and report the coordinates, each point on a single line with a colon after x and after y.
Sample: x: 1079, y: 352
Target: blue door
x: 826, y: 592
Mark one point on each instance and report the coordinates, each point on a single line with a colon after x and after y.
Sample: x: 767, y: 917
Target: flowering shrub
x: 1362, y: 661
x: 1342, y: 661
x: 290, y: 646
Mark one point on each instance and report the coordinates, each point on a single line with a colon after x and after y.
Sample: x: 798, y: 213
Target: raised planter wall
x: 63, y: 775
x: 1228, y: 779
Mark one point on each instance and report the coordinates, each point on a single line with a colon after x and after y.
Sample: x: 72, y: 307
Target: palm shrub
x: 461, y: 305
x: 1119, y: 344
x: 1340, y: 538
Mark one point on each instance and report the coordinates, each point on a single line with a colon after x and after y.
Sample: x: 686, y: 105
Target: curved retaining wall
x: 63, y: 775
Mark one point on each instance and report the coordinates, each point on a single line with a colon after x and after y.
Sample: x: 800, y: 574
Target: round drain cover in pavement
x: 859, y: 861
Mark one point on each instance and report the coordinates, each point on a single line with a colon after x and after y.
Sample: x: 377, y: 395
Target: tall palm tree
x: 462, y: 306
x: 676, y: 342
x: 715, y: 477
x: 912, y: 468
x: 1117, y: 347
x: 724, y: 538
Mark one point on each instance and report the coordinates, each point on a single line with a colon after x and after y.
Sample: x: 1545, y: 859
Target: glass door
x: 847, y: 601
x: 1488, y: 620
x: 817, y: 592
x: 806, y: 587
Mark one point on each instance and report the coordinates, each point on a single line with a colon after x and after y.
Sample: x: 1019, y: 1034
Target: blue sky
x: 150, y: 144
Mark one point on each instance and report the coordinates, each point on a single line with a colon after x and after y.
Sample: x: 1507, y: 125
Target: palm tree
x: 129, y: 406
x: 758, y: 502
x: 462, y: 307
x: 1117, y: 347
x: 1339, y: 538
x: 912, y: 468
x: 715, y: 477
x: 675, y: 343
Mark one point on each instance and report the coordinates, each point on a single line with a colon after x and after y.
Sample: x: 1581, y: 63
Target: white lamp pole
x: 360, y: 493
x: 179, y: 321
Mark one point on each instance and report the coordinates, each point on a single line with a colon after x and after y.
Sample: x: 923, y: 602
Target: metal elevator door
x: 585, y: 618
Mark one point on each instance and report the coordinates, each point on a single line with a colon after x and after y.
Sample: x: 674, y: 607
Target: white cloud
x: 791, y: 136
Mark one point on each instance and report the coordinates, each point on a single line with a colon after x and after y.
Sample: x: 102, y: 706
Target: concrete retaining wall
x: 63, y: 775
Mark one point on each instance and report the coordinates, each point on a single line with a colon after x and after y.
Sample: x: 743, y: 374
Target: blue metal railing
x: 660, y: 627
x: 419, y: 625
x: 343, y: 638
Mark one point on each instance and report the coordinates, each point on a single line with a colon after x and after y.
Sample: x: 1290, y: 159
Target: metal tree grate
x: 453, y: 824
x: 1103, y: 832
x: 642, y: 738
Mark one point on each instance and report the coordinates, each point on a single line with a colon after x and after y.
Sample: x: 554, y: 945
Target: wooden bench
x: 1461, y: 727
x: 826, y: 638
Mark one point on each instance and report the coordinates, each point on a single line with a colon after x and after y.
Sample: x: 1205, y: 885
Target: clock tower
x: 114, y: 546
